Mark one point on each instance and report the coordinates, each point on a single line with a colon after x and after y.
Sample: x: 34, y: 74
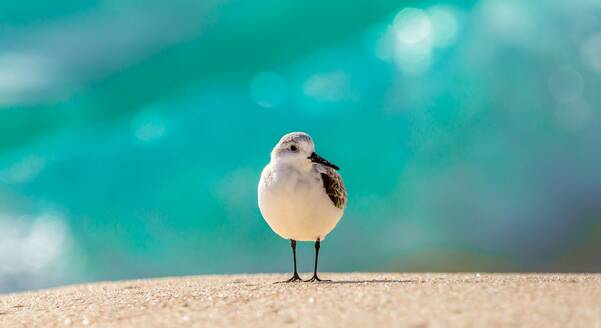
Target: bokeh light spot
x: 329, y: 87
x: 148, y: 126
x: 444, y: 25
x: 29, y: 246
x: 24, y: 77
x: 268, y: 89
x: 508, y: 21
x: 565, y: 83
x: 412, y: 51
x: 572, y: 116
x: 24, y: 170
x: 412, y: 26
x: 414, y: 34
x: 591, y: 52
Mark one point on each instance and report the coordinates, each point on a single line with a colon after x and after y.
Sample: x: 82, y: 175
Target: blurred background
x: 132, y: 135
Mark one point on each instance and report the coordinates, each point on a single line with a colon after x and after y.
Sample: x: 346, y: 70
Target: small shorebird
x: 301, y: 196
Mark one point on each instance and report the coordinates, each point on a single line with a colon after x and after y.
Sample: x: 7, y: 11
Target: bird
x: 301, y: 196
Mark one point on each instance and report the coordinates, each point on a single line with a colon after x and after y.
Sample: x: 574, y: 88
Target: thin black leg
x: 295, y: 276
x: 315, y: 277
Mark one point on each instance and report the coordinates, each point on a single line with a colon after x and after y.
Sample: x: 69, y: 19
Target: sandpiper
x: 301, y: 196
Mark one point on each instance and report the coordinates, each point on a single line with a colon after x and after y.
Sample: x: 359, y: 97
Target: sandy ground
x: 350, y: 300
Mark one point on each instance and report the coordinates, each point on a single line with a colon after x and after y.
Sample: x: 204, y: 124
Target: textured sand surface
x: 351, y: 300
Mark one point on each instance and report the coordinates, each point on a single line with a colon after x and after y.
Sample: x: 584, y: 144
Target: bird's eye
x: 293, y: 148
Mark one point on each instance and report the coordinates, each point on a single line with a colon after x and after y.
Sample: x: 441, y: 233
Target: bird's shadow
x: 366, y: 282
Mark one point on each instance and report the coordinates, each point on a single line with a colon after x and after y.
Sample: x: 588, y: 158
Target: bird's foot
x: 315, y: 278
x: 294, y: 278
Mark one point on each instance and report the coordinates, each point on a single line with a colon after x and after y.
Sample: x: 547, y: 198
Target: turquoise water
x: 132, y: 135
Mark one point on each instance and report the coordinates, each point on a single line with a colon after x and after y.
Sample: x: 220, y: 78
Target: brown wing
x: 334, y: 186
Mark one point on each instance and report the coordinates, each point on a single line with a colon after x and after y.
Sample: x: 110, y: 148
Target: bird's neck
x: 287, y: 166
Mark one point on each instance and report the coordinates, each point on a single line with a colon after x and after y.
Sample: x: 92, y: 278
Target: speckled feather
x: 332, y: 182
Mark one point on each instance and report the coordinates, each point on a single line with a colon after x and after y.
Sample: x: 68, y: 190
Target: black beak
x: 318, y: 159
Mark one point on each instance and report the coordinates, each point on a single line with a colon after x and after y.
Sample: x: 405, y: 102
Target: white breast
x: 295, y: 205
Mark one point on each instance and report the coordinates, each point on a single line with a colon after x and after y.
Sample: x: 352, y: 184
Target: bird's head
x: 297, y: 149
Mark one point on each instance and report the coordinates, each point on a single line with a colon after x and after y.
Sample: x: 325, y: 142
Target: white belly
x: 297, y: 207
